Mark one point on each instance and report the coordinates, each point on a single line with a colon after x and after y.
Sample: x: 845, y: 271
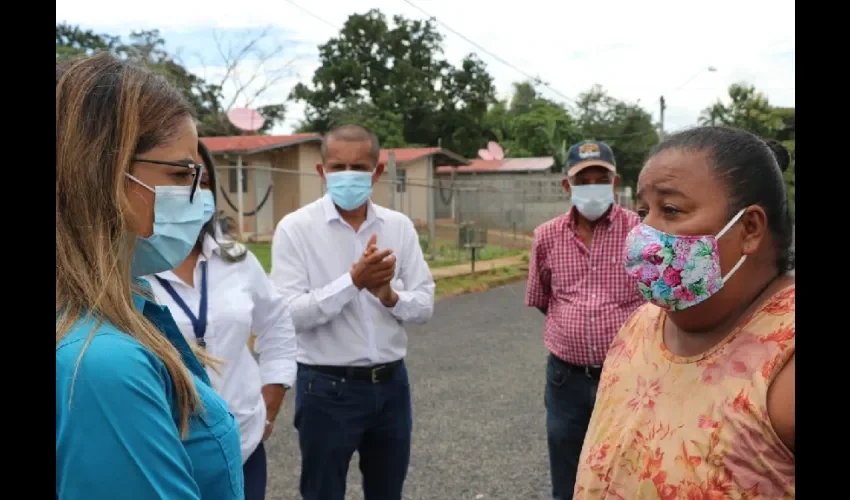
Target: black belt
x: 591, y: 371
x: 374, y: 374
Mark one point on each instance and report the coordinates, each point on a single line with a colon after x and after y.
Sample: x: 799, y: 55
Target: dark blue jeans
x: 336, y: 416
x: 569, y: 398
x: 254, y: 470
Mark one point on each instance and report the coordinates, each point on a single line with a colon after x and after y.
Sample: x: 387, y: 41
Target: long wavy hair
x: 107, y: 112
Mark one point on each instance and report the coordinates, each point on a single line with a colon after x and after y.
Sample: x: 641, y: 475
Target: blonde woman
x: 218, y: 296
x: 136, y: 417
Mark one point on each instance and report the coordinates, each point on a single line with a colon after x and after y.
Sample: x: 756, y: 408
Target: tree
x: 626, y: 127
x: 747, y: 109
x: 147, y: 48
x: 72, y: 42
x: 750, y: 110
x: 787, y: 132
x: 393, y: 76
x: 529, y: 125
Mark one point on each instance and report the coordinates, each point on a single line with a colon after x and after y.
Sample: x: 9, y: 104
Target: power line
x: 315, y: 16
x: 536, y: 79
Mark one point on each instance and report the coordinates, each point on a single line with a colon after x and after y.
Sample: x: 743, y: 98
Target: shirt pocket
x: 623, y: 288
x: 223, y: 431
x: 230, y: 324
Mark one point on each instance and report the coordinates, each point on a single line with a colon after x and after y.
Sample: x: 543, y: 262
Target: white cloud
x: 637, y: 50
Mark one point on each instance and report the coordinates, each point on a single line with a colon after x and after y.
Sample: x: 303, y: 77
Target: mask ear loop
x: 721, y: 233
x: 735, y: 268
x: 731, y: 223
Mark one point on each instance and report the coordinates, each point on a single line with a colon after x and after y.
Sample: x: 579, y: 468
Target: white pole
x: 391, y: 170
x: 453, y: 194
x: 430, y: 194
x: 239, y: 216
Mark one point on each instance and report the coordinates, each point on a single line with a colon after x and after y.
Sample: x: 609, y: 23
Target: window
x: 234, y: 175
x: 401, y: 180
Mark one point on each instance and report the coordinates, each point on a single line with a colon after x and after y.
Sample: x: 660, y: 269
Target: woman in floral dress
x: 696, y: 398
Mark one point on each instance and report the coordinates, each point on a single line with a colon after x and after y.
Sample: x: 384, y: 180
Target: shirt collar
x: 373, y: 212
x: 164, y: 321
x: 210, y: 246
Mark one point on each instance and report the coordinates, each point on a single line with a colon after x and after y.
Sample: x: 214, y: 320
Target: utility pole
x: 661, y: 114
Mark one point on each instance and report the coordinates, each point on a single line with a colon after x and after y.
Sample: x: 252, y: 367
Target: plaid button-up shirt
x: 585, y: 291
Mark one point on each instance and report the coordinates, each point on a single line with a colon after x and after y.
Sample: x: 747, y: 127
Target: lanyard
x: 199, y: 323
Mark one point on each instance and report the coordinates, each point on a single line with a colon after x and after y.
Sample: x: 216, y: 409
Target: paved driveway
x: 477, y: 376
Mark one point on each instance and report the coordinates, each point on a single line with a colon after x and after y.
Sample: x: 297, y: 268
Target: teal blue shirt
x: 117, y: 430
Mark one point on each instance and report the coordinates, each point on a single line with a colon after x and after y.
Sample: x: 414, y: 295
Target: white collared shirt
x: 312, y: 253
x: 240, y: 300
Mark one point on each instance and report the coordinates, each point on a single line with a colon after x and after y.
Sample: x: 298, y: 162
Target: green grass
x: 480, y: 281
x: 263, y: 251
x: 445, y: 254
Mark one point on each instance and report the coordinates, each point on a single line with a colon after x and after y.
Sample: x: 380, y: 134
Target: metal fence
x: 495, y: 214
x: 516, y: 203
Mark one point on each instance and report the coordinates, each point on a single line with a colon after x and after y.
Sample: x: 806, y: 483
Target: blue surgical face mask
x: 592, y: 200
x: 209, y: 204
x: 349, y: 189
x: 177, y: 222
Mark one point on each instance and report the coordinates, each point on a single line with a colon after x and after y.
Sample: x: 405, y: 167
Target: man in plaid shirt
x: 577, y: 279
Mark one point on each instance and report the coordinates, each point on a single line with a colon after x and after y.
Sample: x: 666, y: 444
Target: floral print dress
x: 669, y: 427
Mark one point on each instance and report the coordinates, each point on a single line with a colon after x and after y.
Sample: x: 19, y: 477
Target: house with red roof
x: 279, y: 176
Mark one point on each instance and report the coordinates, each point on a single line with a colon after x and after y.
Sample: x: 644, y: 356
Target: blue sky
x: 636, y: 50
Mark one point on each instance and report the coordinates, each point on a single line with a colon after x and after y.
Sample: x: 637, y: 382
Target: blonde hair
x: 108, y: 111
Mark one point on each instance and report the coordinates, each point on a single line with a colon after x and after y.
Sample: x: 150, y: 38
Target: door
x: 265, y: 204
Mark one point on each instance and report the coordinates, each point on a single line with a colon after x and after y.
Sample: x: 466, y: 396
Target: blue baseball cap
x: 589, y: 154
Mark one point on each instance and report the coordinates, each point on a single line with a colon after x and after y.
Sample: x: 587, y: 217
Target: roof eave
x: 454, y: 156
x: 266, y: 149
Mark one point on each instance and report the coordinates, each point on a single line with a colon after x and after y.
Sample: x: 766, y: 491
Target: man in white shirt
x: 353, y: 273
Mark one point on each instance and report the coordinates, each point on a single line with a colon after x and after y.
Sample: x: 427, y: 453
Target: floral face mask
x: 676, y: 272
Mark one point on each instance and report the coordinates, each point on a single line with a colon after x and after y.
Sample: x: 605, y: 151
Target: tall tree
x: 530, y: 125
x: 393, y: 75
x: 626, y: 127
x: 748, y: 109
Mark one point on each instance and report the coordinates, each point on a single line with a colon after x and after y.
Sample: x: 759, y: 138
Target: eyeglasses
x: 196, y: 172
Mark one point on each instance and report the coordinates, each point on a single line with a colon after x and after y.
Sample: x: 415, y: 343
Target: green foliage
x: 790, y: 178
x: 392, y: 76
x: 529, y: 125
x: 626, y: 127
x: 750, y: 110
x: 444, y: 253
